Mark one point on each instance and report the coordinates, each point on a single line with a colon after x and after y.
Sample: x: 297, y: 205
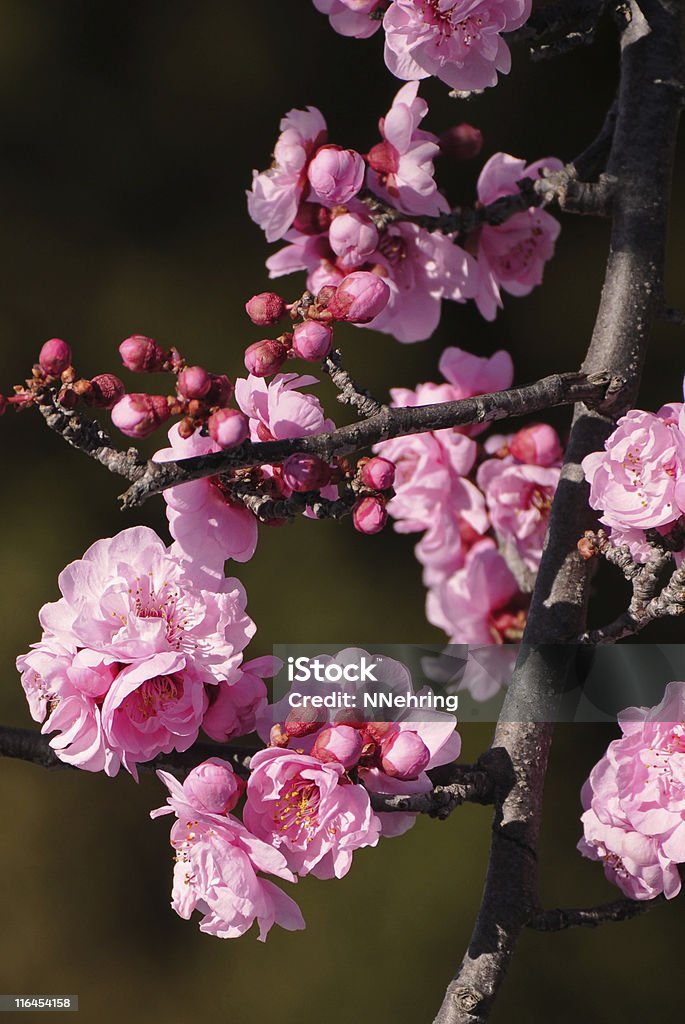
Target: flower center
x: 296, y: 811
x: 154, y: 696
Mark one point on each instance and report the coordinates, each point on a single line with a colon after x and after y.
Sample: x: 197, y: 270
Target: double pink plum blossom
x: 458, y: 41
x: 401, y: 166
x: 634, y: 800
x: 276, y: 193
x: 479, y: 603
x: 433, y: 493
x: 351, y: 17
x: 638, y: 481
x: 512, y: 256
x: 129, y: 652
x: 219, y: 863
x: 305, y: 809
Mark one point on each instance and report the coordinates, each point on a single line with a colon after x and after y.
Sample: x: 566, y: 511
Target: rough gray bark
x: 641, y: 161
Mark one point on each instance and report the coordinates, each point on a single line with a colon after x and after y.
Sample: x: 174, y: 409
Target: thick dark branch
x: 559, y: 389
x: 591, y: 917
x: 641, y: 161
x: 32, y: 746
x: 88, y: 436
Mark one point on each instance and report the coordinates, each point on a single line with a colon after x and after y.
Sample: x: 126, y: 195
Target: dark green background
x: 128, y: 133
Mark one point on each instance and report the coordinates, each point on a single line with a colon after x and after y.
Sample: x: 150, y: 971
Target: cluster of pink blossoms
x: 458, y: 41
x: 634, y: 801
x: 141, y: 651
x: 638, y: 481
x: 472, y: 502
x: 306, y: 810
x: 313, y: 197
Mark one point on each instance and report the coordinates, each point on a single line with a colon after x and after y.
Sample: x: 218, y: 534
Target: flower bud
x: 312, y: 219
x: 378, y: 473
x: 303, y: 721
x: 384, y: 158
x: 537, y: 445
x: 265, y: 357
x: 228, y: 427
x: 141, y: 354
x: 404, y: 755
x: 265, y: 308
x: 312, y: 340
x: 369, y: 515
x: 213, y: 787
x: 336, y: 174
x: 353, y: 238
x: 359, y: 298
x: 140, y: 415
x: 193, y: 382
x: 339, y: 743
x: 220, y: 390
x: 55, y: 357
x: 462, y: 142
x: 106, y: 390
x: 305, y: 472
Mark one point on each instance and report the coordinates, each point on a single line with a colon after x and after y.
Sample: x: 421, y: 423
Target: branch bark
x: 641, y: 161
x: 559, y: 389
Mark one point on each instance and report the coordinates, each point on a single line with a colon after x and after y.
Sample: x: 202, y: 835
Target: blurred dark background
x: 128, y: 134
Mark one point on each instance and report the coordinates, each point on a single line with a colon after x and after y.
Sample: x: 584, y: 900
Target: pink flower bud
x: 303, y: 721
x: 265, y: 308
x: 265, y: 357
x: 462, y: 142
x: 336, y: 174
x: 305, y: 472
x: 55, y: 357
x: 359, y: 298
x: 140, y: 415
x: 378, y: 473
x: 220, y: 390
x: 312, y: 340
x: 369, y: 515
x: 141, y: 354
x: 353, y: 238
x: 213, y: 787
x: 312, y: 219
x: 384, y: 158
x: 404, y: 755
x: 193, y: 382
x: 106, y: 390
x: 537, y: 445
x: 228, y: 427
x: 338, y: 743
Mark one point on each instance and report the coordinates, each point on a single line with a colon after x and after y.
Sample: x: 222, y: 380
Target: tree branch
x: 591, y: 917
x: 641, y: 161
x: 471, y: 783
x: 560, y: 389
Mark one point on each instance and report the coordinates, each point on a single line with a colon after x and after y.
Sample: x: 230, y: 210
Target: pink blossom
x: 228, y: 427
x: 512, y: 255
x: 401, y: 167
x: 538, y: 445
x: 359, y: 298
x: 353, y: 237
x: 634, y: 481
x: 312, y: 340
x: 217, y: 861
x: 404, y: 755
x: 336, y: 175
x: 207, y: 526
x: 128, y: 651
x: 476, y: 604
x: 55, y: 357
x: 276, y: 193
x: 341, y: 743
x: 519, y: 499
x: 141, y: 354
x: 140, y: 415
x: 351, y: 17
x: 634, y: 800
x: 279, y: 409
x: 377, y: 473
x: 234, y: 707
x: 369, y: 515
x: 459, y: 41
x: 304, y: 809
